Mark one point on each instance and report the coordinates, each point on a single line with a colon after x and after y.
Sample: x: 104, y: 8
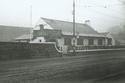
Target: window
x: 91, y: 42
x: 100, y: 41
x: 79, y: 41
x: 110, y: 41
x: 67, y: 41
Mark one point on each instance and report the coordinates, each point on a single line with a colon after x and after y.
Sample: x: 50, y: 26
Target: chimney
x: 87, y: 22
x: 41, y: 26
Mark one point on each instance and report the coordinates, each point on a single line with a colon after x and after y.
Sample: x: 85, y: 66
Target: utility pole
x: 74, y: 26
x: 73, y: 18
x: 31, y: 15
x: 31, y: 23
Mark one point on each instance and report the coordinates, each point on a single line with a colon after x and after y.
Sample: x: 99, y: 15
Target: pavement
x: 105, y: 67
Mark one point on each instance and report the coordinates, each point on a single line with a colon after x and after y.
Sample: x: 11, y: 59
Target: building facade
x: 60, y: 32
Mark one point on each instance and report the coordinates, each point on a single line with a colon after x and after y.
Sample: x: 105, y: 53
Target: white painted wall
x: 64, y: 48
x: 46, y: 26
x: 61, y: 45
x: 60, y: 42
x: 38, y: 39
x: 96, y: 42
x: 85, y: 42
x: 113, y: 40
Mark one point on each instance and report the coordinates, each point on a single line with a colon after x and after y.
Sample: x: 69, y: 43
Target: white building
x: 51, y: 30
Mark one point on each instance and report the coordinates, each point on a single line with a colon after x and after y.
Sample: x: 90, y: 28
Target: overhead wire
x: 107, y: 6
x: 104, y: 7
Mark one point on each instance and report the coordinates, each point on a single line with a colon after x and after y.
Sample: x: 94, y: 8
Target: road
x: 104, y: 67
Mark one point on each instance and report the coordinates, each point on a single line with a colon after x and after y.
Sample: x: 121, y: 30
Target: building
x: 10, y: 33
x: 23, y: 38
x: 51, y: 30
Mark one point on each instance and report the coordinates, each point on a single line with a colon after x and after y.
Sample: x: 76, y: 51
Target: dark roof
x: 68, y: 26
x: 9, y: 33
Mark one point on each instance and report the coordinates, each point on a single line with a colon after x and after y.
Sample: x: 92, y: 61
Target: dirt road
x: 85, y: 69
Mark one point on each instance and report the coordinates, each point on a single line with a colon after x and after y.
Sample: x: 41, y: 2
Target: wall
x: 14, y: 50
x: 60, y: 42
x: 47, y: 33
x: 38, y: 40
x: 64, y: 48
x: 85, y: 42
x: 96, y: 42
x: 113, y: 40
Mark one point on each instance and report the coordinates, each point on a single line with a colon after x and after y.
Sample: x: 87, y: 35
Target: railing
x: 93, y: 47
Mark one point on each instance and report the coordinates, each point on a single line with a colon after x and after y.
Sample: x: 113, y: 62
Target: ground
x: 107, y: 67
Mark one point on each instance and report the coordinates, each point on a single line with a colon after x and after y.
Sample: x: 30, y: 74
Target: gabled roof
x: 68, y: 26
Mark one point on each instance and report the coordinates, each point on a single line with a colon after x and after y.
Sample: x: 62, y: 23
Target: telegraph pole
x: 31, y: 15
x: 74, y: 26
x: 73, y: 18
x: 31, y: 23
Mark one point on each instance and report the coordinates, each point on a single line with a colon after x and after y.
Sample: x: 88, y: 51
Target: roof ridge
x: 63, y: 21
x: 67, y: 26
x: 14, y: 26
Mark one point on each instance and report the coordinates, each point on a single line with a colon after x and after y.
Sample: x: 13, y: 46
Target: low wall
x: 16, y: 50
x: 93, y: 52
x: 94, y: 47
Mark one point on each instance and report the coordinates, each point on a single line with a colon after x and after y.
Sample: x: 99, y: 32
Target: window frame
x: 90, y: 41
x: 100, y: 42
x: 80, y: 41
x: 109, y: 43
x: 67, y: 41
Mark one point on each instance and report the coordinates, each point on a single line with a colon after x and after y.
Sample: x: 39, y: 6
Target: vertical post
x: 31, y: 23
x: 31, y: 15
x: 73, y: 18
x: 74, y: 37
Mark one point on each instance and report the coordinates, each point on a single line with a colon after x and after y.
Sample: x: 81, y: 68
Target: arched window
x: 79, y: 41
x: 91, y: 42
x: 100, y: 41
x: 67, y: 41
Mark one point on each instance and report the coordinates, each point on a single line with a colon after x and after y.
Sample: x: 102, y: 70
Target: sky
x: 102, y: 14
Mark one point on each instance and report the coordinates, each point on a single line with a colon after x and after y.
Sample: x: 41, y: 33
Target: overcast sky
x: 102, y: 13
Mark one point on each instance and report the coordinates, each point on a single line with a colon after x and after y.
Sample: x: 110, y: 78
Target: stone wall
x: 15, y: 50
